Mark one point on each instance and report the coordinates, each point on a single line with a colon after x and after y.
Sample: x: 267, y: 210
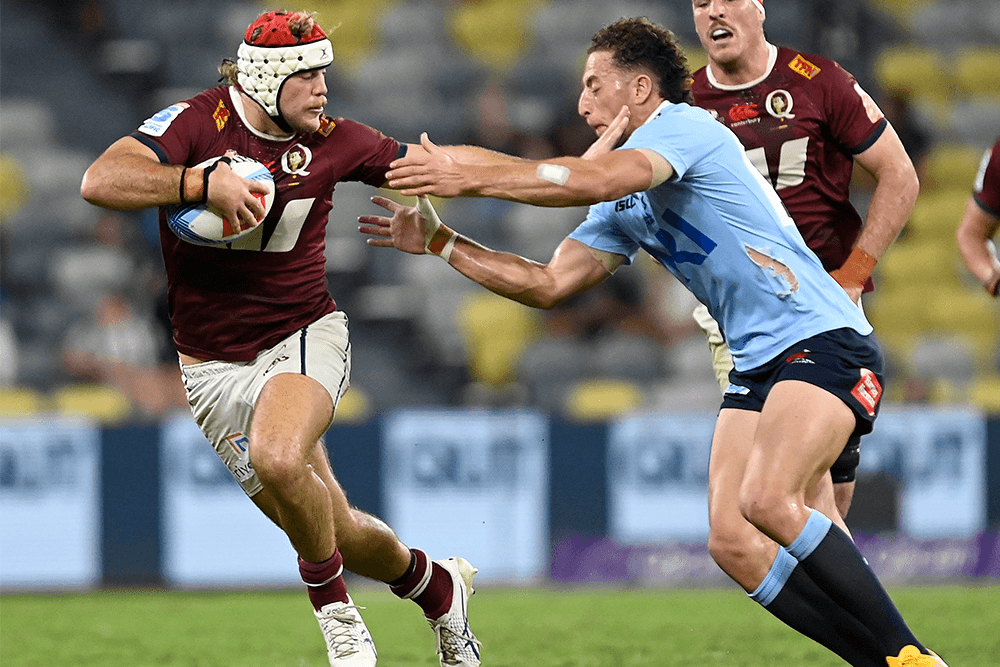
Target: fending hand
x: 611, y: 136
x: 416, y: 230
x: 432, y: 171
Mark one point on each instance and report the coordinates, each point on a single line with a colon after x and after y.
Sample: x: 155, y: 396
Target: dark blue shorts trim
x: 842, y: 361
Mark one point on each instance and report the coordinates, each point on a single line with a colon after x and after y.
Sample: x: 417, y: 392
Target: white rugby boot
x: 456, y: 645
x: 348, y: 642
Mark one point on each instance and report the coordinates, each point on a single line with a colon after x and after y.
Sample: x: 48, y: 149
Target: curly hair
x: 640, y: 44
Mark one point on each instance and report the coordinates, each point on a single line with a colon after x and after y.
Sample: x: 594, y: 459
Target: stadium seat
x: 902, y: 10
x: 101, y: 403
x: 977, y: 70
x: 935, y: 217
x: 976, y: 121
x: 494, y: 32
x: 951, y: 165
x: 20, y: 402
x: 14, y: 188
x: 354, y: 407
x: 918, y: 262
x: 965, y: 311
x: 912, y: 70
x: 495, y: 332
x: 601, y: 399
x: 985, y: 393
x: 354, y: 28
x: 899, y: 315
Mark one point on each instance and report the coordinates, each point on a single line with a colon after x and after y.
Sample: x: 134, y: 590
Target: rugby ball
x: 202, y: 224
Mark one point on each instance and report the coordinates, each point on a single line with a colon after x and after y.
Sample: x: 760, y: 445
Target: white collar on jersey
x: 234, y: 95
x: 772, y: 57
x: 658, y: 110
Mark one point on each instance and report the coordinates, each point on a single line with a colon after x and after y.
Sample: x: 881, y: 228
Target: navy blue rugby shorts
x: 843, y: 362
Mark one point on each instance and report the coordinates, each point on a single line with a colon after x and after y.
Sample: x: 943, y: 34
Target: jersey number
x: 669, y: 255
x: 791, y: 163
x: 286, y: 232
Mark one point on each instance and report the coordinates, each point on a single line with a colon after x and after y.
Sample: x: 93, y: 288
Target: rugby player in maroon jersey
x: 803, y: 121
x: 264, y: 351
x: 980, y: 222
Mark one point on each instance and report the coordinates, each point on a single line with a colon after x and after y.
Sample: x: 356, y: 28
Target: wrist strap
x: 442, y: 243
x: 858, y: 267
x: 208, y: 171
x: 184, y: 172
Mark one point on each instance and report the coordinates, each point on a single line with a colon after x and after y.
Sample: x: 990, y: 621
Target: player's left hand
x: 432, y: 171
x: 406, y: 230
x: 609, y: 139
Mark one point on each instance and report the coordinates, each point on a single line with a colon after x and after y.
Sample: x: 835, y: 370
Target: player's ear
x: 642, y: 88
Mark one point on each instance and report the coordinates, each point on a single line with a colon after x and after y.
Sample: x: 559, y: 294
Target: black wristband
x: 184, y: 172
x: 995, y: 290
x: 208, y: 170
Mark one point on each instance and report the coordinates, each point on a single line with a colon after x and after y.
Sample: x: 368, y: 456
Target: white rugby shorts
x: 222, y: 394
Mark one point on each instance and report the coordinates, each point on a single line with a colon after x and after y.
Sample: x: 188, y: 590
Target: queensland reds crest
x: 779, y: 104
x: 296, y: 159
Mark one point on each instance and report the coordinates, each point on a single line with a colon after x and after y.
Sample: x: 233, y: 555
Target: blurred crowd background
x: 83, y: 327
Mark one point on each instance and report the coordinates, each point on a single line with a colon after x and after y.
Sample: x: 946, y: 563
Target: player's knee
x: 276, y: 466
x: 762, y: 508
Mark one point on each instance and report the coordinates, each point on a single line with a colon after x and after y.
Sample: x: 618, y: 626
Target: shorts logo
x: 803, y: 67
x: 238, y: 442
x: 867, y: 391
x: 799, y: 358
x: 240, y: 467
x: 277, y: 360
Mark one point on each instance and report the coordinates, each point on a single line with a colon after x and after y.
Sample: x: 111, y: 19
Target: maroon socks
x: 426, y: 583
x: 325, y: 580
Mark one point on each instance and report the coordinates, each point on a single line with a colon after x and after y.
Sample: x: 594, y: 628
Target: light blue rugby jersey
x: 721, y: 229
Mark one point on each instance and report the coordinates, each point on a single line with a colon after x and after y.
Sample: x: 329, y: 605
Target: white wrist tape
x: 438, y: 239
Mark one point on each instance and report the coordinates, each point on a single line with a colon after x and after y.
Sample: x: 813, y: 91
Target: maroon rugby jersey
x: 801, y: 125
x: 231, y: 302
x: 986, y: 189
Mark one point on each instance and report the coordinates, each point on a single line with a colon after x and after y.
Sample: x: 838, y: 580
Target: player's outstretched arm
x: 564, y: 181
x: 573, y: 268
x: 129, y: 176
x: 974, y: 234
x: 895, y: 193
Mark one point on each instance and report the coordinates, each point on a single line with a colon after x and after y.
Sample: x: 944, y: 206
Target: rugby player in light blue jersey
x: 808, y: 374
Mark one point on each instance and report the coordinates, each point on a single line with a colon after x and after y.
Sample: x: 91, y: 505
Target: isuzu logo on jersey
x: 779, y: 104
x: 296, y: 159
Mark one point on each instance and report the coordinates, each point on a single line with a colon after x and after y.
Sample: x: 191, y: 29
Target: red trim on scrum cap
x: 274, y: 29
x: 760, y: 6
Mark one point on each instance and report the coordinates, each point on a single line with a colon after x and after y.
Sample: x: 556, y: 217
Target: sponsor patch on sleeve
x: 156, y: 125
x: 803, y: 67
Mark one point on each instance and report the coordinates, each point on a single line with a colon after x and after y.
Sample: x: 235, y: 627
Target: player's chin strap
x: 438, y: 239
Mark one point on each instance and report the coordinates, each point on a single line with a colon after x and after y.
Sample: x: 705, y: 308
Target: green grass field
x: 536, y: 627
